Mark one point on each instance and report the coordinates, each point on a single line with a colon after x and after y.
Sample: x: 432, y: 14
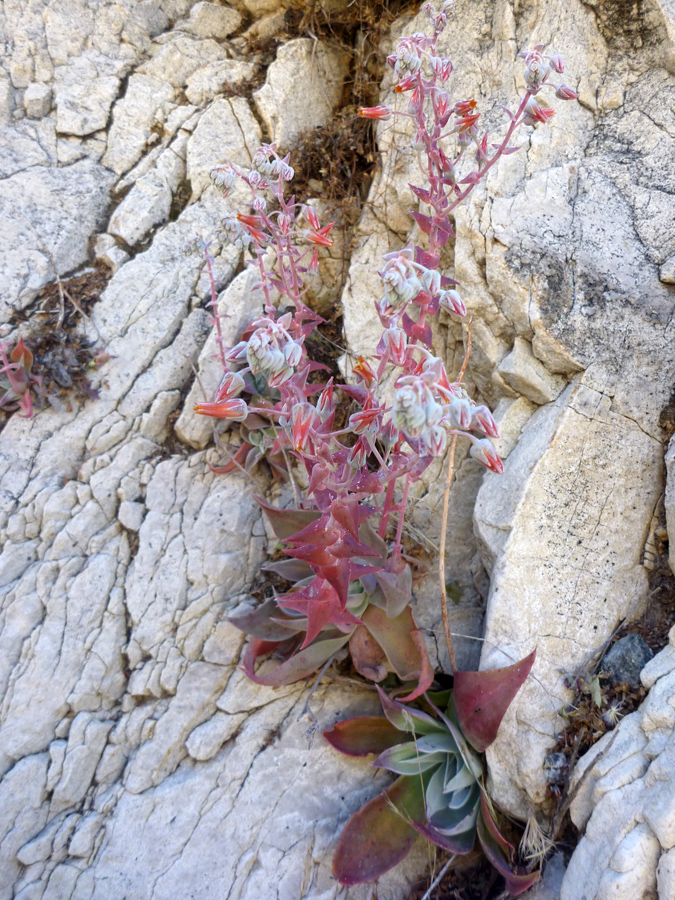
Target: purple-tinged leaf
x: 396, y: 583
x: 508, y: 150
x: 424, y: 258
x: 482, y: 698
x: 369, y: 537
x: 460, y: 844
x: 264, y: 622
x: 379, y: 835
x: 407, y: 718
x: 300, y: 665
x: 500, y: 853
x: 286, y: 522
x: 424, y: 195
x: 363, y: 735
x: 424, y: 222
x: 290, y: 569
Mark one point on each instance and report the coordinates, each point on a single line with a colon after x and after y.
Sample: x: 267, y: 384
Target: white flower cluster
x: 270, y: 351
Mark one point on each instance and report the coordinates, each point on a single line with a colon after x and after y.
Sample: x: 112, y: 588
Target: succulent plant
x: 439, y: 792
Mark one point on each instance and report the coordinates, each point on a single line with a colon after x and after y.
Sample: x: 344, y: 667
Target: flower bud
x: 375, y: 112
x: 284, y: 222
x: 325, y: 405
x: 238, y: 353
x: 302, y: 420
x: 431, y: 281
x: 408, y: 413
x: 231, y: 385
x: 536, y: 74
x: 435, y: 440
x: 358, y: 454
x: 557, y: 62
x: 565, y: 93
x: 396, y: 342
x: 451, y: 302
x: 259, y: 204
x: 482, y: 419
x: 293, y: 354
x: 485, y: 453
x: 459, y: 413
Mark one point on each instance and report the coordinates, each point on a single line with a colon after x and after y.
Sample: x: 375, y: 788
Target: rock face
x: 135, y: 759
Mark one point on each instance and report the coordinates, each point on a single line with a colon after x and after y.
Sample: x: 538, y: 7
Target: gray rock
x: 212, y: 79
x: 37, y: 100
x: 626, y: 659
x: 208, y: 20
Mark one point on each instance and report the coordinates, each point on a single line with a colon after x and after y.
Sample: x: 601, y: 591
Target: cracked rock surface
x: 135, y: 758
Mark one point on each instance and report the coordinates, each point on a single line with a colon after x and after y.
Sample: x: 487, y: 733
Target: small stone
x: 37, y: 100
x: 131, y: 515
x: 667, y: 271
x: 107, y: 251
x: 626, y: 659
x: 208, y: 20
x: 522, y: 371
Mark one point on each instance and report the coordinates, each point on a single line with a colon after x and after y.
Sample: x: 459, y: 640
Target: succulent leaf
x: 363, y: 735
x: 482, y: 698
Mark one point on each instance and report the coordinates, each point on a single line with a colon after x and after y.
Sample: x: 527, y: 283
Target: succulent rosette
x: 439, y: 791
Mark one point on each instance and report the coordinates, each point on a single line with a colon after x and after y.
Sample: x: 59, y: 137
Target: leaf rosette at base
x: 439, y: 792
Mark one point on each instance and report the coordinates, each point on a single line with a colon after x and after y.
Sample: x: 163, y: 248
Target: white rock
x: 302, y: 90
x: 145, y: 206
x: 24, y: 813
x: 63, y: 208
x: 108, y: 251
x: 207, y: 739
x: 665, y: 875
x: 83, y: 107
x: 667, y: 271
x: 82, y: 842
x: 213, y: 78
x: 147, y: 101
x: 177, y: 59
x: 670, y: 501
x: 131, y: 514
x: 37, y: 100
x: 208, y: 20
x: 525, y: 374
x: 226, y: 131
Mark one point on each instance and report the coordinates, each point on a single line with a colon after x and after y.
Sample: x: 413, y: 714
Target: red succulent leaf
x: 423, y: 221
x: 500, y: 853
x: 298, y: 666
x: 482, y: 698
x: 290, y: 569
x: 404, y: 646
x: 424, y: 258
x: 379, y: 835
x: 22, y: 355
x: 363, y: 735
x: 286, y: 522
x: 321, y: 604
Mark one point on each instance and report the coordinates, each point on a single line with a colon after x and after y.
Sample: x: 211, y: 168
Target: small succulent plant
x: 439, y: 791
x: 16, y: 379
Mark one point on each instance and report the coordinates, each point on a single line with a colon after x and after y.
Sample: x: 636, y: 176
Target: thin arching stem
x: 444, y: 522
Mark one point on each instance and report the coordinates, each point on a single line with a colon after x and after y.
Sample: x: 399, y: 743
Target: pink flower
x: 231, y: 385
x: 565, y: 93
x: 483, y: 419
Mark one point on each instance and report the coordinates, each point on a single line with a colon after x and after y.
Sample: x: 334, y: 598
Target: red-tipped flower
x: 375, y: 112
x: 485, y: 453
x: 236, y: 410
x: 565, y: 93
x: 320, y: 236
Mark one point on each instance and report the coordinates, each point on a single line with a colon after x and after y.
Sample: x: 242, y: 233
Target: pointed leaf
x: 404, y: 645
x: 404, y: 759
x: 286, y: 522
x: 363, y: 735
x: 517, y: 878
x: 379, y: 835
x: 290, y: 569
x: 407, y: 718
x: 301, y: 665
x: 396, y: 583
x: 460, y: 844
x: 263, y: 622
x: 482, y: 698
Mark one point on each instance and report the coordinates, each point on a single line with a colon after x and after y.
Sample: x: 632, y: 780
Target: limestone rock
x: 107, y: 251
x: 302, y: 89
x: 226, y: 131
x: 146, y: 101
x: 179, y: 57
x: 51, y: 208
x: 37, y: 100
x: 213, y: 78
x: 526, y: 375
x: 83, y: 107
x: 208, y: 20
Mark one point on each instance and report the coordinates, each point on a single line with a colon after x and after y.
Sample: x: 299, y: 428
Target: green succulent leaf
x: 407, y: 718
x: 405, y: 759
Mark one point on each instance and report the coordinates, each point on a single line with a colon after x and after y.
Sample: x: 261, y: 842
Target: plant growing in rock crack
x: 16, y: 379
x: 352, y: 588
x: 439, y: 791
